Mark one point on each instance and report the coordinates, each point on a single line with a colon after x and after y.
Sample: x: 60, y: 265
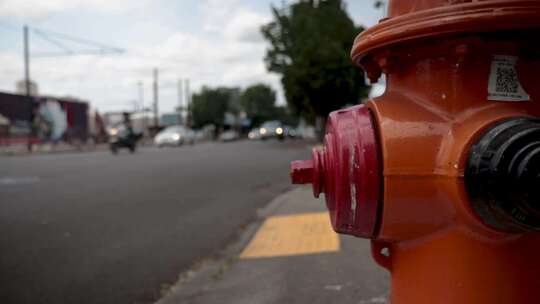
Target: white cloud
x: 39, y: 8
x: 246, y: 26
x: 216, y: 13
x: 222, y: 47
x: 228, y: 52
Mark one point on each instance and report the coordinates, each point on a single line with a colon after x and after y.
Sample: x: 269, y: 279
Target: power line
x: 60, y: 41
x: 53, y: 41
x: 81, y: 40
x: 64, y: 43
x: 73, y: 53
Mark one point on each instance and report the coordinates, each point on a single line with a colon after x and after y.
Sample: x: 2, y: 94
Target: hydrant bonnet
x: 413, y: 20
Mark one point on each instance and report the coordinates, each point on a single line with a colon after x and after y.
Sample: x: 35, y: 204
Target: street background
x: 95, y: 228
x: 145, y: 150
x: 98, y: 228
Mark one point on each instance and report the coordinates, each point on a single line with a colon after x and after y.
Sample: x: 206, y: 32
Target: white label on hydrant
x: 503, y: 80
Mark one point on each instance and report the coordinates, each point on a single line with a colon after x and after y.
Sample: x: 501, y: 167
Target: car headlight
x: 262, y: 131
x: 113, y: 132
x: 176, y: 136
x: 279, y: 131
x: 251, y: 135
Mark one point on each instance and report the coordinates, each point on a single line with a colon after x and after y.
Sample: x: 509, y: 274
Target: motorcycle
x: 121, y: 137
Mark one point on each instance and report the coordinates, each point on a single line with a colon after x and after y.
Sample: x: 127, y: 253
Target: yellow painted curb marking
x: 289, y: 235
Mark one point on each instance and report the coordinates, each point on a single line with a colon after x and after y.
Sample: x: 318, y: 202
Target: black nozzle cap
x: 503, y: 176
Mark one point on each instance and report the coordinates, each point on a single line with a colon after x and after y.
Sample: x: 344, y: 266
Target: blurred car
x: 291, y: 132
x: 272, y: 129
x: 174, y: 136
x: 229, y: 135
x: 200, y: 136
x: 254, y: 134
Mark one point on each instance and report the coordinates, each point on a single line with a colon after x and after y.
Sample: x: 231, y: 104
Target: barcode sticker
x: 504, y: 83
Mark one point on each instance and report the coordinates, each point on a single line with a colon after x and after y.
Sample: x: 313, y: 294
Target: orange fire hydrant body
x: 440, y: 252
x: 455, y: 70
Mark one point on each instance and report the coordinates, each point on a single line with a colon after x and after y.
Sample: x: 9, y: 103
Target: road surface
x: 97, y: 228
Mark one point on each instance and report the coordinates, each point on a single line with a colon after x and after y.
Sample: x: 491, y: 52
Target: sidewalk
x: 17, y: 150
x: 292, y: 257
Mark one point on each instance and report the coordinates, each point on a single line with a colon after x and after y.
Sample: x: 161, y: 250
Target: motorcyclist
x: 124, y: 136
x: 128, y: 125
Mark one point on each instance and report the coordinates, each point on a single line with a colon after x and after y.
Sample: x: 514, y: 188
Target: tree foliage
x: 310, y: 42
x: 284, y: 115
x: 209, y: 106
x: 259, y: 103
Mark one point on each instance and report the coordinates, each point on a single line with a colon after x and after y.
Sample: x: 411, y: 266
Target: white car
x: 229, y: 135
x: 272, y: 129
x: 254, y: 134
x: 174, y: 136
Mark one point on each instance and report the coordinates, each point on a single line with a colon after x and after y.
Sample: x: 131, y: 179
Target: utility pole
x: 156, y: 99
x: 27, y: 86
x: 54, y: 39
x: 188, y: 102
x: 180, y: 108
x: 141, y: 95
x: 141, y: 105
x: 26, y: 62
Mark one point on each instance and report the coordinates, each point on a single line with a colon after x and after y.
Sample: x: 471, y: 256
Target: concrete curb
x: 210, y: 269
x: 22, y: 151
x: 346, y: 276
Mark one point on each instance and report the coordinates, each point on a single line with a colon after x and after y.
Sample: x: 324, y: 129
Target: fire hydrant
x: 442, y: 172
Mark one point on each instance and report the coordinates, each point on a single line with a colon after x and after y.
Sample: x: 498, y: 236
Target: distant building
x: 170, y: 119
x: 111, y: 119
x: 140, y: 120
x: 4, y: 126
x: 44, y: 118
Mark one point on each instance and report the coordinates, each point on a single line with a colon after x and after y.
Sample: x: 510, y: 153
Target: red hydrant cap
x: 347, y: 170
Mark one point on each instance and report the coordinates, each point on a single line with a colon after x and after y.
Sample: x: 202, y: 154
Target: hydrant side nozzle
x: 350, y: 146
x: 502, y: 176
x: 302, y: 172
x: 309, y: 172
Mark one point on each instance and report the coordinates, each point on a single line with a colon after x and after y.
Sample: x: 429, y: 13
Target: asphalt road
x: 97, y: 228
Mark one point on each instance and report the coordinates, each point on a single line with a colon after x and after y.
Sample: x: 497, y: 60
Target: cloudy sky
x: 211, y: 42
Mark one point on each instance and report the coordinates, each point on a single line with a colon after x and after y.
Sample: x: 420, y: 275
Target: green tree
x: 286, y: 117
x: 259, y: 103
x: 209, y: 106
x: 310, y: 43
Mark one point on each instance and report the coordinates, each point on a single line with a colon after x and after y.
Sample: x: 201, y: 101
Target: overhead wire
x: 82, y: 41
x: 58, y: 39
x: 57, y: 43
